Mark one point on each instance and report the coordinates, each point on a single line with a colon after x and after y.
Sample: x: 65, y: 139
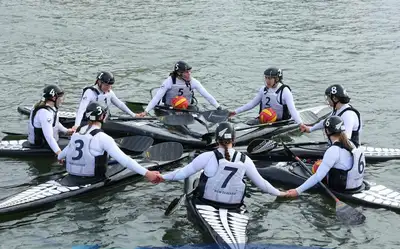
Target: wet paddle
x: 344, y: 212
x: 260, y: 145
x: 176, y: 203
x: 167, y: 151
x: 135, y: 143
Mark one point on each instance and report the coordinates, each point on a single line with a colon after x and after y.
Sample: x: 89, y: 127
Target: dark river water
x: 229, y: 44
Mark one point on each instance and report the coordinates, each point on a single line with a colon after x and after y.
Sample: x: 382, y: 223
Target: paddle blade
x: 135, y: 143
x: 168, y: 151
x: 178, y: 119
x: 348, y: 215
x: 215, y: 116
x: 174, y: 205
x: 261, y: 145
x: 136, y: 107
x: 309, y: 117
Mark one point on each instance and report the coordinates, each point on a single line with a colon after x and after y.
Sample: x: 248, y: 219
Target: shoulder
x: 167, y: 82
x: 332, y: 150
x: 286, y: 89
x: 111, y: 93
x: 89, y: 92
x: 349, y: 114
x: 104, y: 137
x: 261, y: 89
x: 195, y: 82
x: 205, y: 156
x: 44, y: 112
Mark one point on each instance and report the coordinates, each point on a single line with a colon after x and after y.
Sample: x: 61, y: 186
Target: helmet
x: 225, y: 131
x: 94, y: 111
x: 51, y: 91
x: 274, y: 72
x: 339, y: 92
x: 181, y: 67
x: 105, y: 77
x: 334, y: 125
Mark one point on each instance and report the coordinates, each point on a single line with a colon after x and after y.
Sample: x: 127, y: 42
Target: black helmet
x: 339, y: 92
x: 94, y: 111
x: 52, y: 91
x: 106, y: 77
x: 334, y: 125
x: 274, y: 72
x: 225, y: 131
x: 181, y: 67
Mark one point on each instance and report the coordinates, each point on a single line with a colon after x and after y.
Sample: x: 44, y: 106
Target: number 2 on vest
x: 233, y: 171
x: 267, y: 100
x: 79, y: 147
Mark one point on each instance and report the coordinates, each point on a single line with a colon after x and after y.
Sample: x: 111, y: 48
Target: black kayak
x: 153, y: 128
x: 62, y: 188
x: 316, y: 150
x: 197, y: 138
x: 223, y: 226
x: 369, y: 194
x: 22, y: 148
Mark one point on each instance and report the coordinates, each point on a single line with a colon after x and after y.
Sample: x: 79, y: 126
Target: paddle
x: 136, y: 107
x: 212, y: 116
x: 167, y: 151
x: 135, y: 143
x: 181, y: 119
x: 176, y: 203
x: 344, y: 212
x: 258, y: 145
x: 308, y: 118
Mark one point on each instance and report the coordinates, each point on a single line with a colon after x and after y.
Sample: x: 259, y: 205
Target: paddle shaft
x: 282, y: 122
x: 320, y: 183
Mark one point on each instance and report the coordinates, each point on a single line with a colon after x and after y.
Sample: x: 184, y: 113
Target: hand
x: 75, y: 127
x: 141, y: 115
x: 304, y: 128
x: 219, y: 108
x: 70, y: 131
x: 282, y: 194
x: 231, y: 114
x: 291, y: 193
x: 154, y: 176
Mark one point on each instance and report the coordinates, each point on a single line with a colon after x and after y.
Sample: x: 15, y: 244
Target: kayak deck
x: 316, y: 150
x: 55, y: 190
x: 369, y: 194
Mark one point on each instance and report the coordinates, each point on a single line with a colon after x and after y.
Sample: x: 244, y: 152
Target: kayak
x: 22, y: 148
x: 198, y: 138
x: 64, y: 187
x: 369, y: 194
x: 316, y: 150
x: 225, y: 227
x: 152, y: 128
